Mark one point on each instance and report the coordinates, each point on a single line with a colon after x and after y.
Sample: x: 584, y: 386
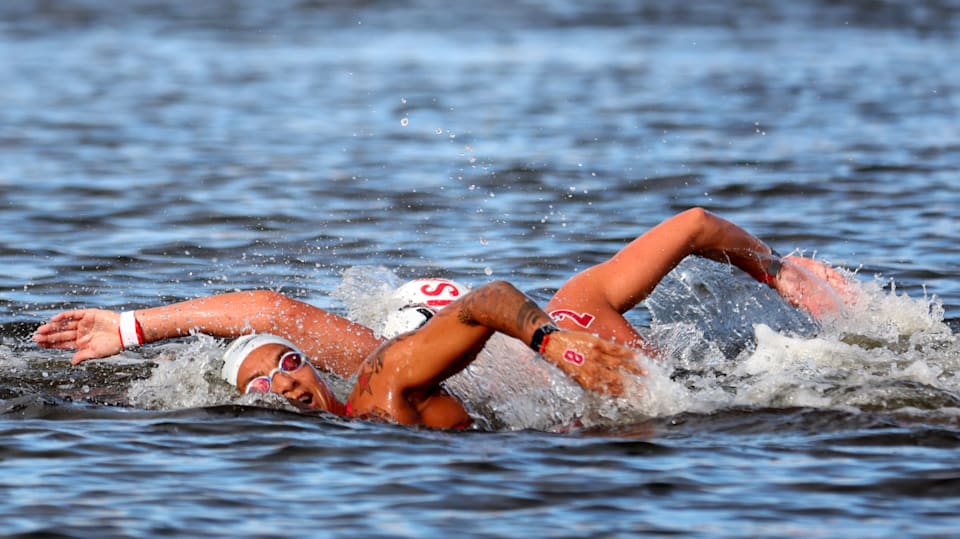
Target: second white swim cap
x: 417, y: 302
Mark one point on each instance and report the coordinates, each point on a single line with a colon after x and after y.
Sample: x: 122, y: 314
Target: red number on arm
x: 573, y: 356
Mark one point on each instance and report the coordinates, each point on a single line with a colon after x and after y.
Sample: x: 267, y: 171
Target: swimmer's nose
x: 283, y: 383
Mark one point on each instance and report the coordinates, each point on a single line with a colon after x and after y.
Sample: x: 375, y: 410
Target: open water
x: 153, y: 151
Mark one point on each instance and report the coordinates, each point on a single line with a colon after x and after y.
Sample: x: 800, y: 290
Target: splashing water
x: 887, y: 352
x: 726, y: 341
x: 366, y: 290
x: 187, y: 375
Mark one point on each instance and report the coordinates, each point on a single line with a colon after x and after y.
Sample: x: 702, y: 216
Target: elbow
x: 699, y: 224
x: 697, y: 216
x: 476, y: 307
x: 498, y: 289
x: 501, y: 286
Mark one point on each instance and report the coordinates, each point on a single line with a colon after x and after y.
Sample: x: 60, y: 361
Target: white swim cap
x: 406, y: 319
x: 240, y: 348
x: 434, y: 293
x: 417, y: 302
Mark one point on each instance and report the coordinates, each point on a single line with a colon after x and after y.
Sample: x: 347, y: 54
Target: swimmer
x: 401, y: 380
x: 596, y: 298
x: 593, y: 300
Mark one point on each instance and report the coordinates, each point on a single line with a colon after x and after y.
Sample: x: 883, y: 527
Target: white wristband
x: 130, y: 332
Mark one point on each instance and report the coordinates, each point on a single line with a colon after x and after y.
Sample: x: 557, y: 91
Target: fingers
x: 55, y: 338
x: 66, y: 318
x: 594, y: 377
x: 611, y: 375
x: 617, y: 357
x: 633, y: 366
x: 66, y: 321
x: 61, y: 332
x: 612, y: 385
x: 834, y: 278
x: 625, y: 358
x: 595, y: 364
x: 92, y: 333
x: 60, y: 336
x: 812, y: 286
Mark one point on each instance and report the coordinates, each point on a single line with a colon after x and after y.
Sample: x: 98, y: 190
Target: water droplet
x: 404, y: 122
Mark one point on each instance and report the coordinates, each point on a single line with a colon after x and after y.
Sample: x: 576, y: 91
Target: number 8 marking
x: 573, y: 356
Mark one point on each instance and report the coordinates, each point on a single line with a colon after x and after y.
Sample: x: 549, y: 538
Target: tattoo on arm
x: 487, y: 305
x: 466, y: 315
x: 369, y: 368
x: 529, y: 315
x: 363, y: 380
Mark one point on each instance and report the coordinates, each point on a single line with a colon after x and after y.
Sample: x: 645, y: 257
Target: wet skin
x: 303, y: 386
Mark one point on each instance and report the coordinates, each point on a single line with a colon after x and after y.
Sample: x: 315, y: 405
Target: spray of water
x: 886, y: 352
x: 725, y: 342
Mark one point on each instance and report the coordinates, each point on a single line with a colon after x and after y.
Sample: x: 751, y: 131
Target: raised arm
x: 333, y: 343
x: 402, y: 378
x: 595, y: 298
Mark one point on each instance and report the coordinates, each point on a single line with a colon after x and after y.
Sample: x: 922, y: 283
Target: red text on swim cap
x: 436, y: 289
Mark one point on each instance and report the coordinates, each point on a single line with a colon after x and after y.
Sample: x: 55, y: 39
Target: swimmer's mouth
x: 306, y: 399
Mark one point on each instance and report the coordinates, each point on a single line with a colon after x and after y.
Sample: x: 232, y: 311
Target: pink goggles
x: 288, y: 362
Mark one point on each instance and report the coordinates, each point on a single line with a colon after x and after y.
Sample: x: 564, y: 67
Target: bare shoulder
x: 375, y: 394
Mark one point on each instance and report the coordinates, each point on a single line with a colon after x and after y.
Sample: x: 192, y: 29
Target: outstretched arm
x: 334, y: 343
x: 401, y: 379
x: 595, y: 298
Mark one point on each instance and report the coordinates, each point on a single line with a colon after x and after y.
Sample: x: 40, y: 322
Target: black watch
x: 538, y: 341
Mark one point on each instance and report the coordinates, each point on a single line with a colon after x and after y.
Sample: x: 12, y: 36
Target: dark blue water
x: 157, y: 151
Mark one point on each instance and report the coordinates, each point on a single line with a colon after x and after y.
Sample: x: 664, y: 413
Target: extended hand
x: 596, y: 364
x: 814, y: 286
x: 92, y: 333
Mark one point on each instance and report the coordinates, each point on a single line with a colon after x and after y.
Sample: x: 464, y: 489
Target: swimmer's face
x: 264, y: 368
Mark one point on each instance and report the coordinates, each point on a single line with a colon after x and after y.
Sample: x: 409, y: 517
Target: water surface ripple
x: 154, y: 151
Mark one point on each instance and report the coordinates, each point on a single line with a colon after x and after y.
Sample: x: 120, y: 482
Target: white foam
x: 187, y: 376
x: 184, y: 377
x: 889, y: 351
x: 366, y: 293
